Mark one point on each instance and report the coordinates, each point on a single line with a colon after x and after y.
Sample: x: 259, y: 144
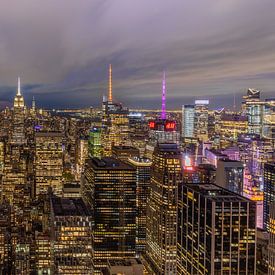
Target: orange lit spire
x: 110, y: 95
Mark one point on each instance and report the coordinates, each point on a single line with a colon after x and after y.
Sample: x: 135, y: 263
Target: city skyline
x: 205, y: 53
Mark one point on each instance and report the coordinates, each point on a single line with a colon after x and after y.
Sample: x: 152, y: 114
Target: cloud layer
x: 207, y: 47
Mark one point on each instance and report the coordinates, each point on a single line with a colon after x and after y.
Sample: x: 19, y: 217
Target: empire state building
x: 18, y: 133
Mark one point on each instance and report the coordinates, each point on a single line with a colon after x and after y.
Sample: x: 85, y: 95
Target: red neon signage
x: 170, y: 126
x: 152, y: 124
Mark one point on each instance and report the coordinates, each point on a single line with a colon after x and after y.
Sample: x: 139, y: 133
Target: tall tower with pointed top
x: 33, y: 103
x: 18, y: 133
x: 110, y: 94
x: 163, y: 99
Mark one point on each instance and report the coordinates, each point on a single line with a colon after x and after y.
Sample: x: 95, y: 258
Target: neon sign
x: 152, y: 124
x: 170, y: 126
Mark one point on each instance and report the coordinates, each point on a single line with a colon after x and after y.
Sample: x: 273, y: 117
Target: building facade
x: 161, y: 250
x: 216, y: 231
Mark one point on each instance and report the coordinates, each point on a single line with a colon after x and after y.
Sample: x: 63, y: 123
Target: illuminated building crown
x: 18, y: 100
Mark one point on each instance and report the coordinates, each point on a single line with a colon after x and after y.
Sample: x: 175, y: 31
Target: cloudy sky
x: 208, y: 48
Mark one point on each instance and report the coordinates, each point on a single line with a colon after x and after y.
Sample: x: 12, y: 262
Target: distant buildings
x: 230, y: 175
x: 94, y: 142
x: 115, y: 122
x: 216, y: 231
x: 201, y: 120
x: 18, y: 131
x: 188, y: 120
x: 48, y: 162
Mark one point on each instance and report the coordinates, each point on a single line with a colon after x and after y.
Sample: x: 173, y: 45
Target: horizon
x: 203, y: 51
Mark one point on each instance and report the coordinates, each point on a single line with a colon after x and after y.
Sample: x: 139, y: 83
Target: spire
x: 163, y: 100
x: 110, y: 95
x: 18, y: 87
x: 33, y: 103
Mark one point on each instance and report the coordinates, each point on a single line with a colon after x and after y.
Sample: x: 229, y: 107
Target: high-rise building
x: 254, y: 109
x: 94, y: 142
x: 201, y: 119
x: 230, y: 175
x: 188, y: 119
x: 233, y: 125
x: 271, y: 244
x: 5, y: 238
x: 269, y: 191
x: 71, y: 224
x: 216, y: 231
x: 143, y: 176
x: 18, y: 131
x: 109, y: 189
x: 162, y: 129
x: 48, y: 162
x: 269, y: 119
x: 115, y: 122
x: 81, y: 155
x: 124, y: 152
x: 161, y: 250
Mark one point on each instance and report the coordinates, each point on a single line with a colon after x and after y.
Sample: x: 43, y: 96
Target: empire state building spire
x: 18, y: 87
x: 110, y: 94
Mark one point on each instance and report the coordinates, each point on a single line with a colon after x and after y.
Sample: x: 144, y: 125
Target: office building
x: 115, y: 122
x: 143, y: 176
x: 94, y: 142
x: 48, y: 162
x: 188, y: 119
x: 109, y: 189
x: 233, y: 125
x: 125, y: 267
x: 124, y: 152
x: 216, y: 231
x: 81, y: 155
x: 271, y: 245
x: 201, y: 119
x: 254, y: 108
x: 269, y: 191
x: 18, y: 131
x: 269, y: 119
x: 230, y: 175
x: 71, y: 224
x: 161, y: 250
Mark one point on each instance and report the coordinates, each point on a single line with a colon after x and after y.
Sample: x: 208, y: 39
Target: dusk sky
x: 208, y: 48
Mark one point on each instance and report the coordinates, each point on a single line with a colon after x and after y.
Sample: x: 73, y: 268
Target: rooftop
x: 48, y: 134
x: 69, y: 207
x: 216, y: 193
x: 109, y: 163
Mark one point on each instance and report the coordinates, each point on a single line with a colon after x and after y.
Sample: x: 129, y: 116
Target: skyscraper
x: 161, y: 250
x: 216, y: 231
x: 269, y: 191
x: 230, y: 175
x: 71, y: 225
x: 109, y: 189
x: 188, y: 116
x: 94, y: 142
x: 48, y: 162
x: 18, y: 132
x: 115, y: 122
x: 201, y: 119
x: 143, y: 176
x: 271, y: 245
x: 254, y: 109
